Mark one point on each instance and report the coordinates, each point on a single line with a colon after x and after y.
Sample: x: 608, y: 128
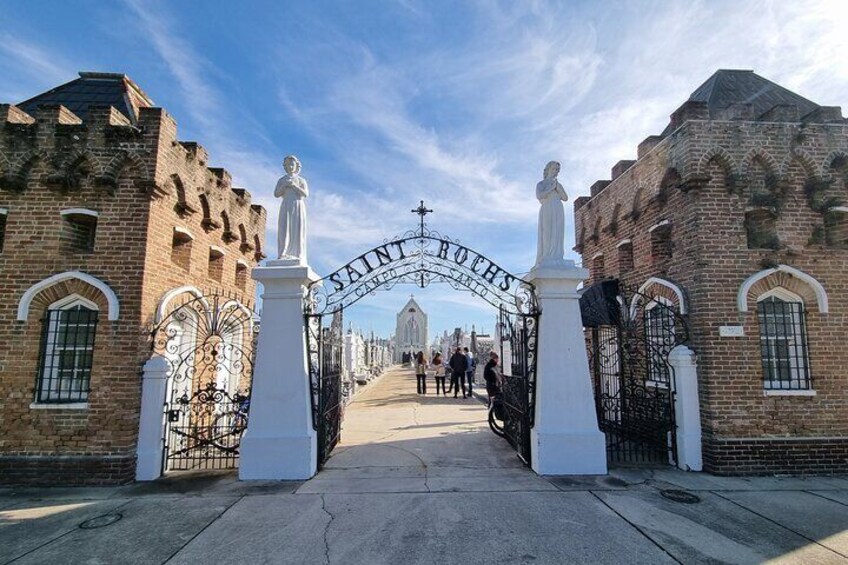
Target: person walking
x: 421, y: 373
x: 492, y: 376
x: 459, y: 364
x: 469, y: 370
x: 439, y: 374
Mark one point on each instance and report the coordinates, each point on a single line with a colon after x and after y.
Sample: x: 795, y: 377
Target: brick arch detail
x: 51, y: 289
x: 782, y: 276
x: 771, y: 163
x: 802, y: 157
x: 831, y: 157
x: 78, y: 156
x: 19, y: 171
x: 722, y: 156
x: 659, y: 287
x: 124, y: 160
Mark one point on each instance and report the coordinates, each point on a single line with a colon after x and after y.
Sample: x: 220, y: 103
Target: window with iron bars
x: 783, y: 344
x: 659, y: 340
x: 67, y: 347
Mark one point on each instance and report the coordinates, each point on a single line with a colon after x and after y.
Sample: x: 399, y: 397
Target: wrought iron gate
x: 422, y: 256
x: 630, y: 336
x: 518, y: 344
x: 325, y: 349
x: 209, y: 342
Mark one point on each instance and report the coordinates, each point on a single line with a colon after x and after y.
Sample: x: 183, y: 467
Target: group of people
x: 457, y: 372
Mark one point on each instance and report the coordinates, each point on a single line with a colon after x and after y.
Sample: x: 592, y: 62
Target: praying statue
x: 291, y: 226
x: 551, y: 194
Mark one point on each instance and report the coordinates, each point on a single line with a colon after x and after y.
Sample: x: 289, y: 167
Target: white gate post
x: 687, y: 408
x: 565, y: 438
x: 280, y: 442
x: 151, y: 425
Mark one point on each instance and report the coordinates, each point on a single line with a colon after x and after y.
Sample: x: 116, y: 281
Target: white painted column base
x: 280, y: 458
x: 151, y: 425
x: 280, y: 443
x: 569, y: 454
x: 565, y: 438
x: 687, y: 408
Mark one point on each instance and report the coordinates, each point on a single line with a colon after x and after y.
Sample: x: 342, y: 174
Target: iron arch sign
x: 421, y: 256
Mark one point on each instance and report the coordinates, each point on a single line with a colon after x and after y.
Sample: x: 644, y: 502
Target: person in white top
x: 439, y: 373
x: 421, y: 372
x: 469, y: 372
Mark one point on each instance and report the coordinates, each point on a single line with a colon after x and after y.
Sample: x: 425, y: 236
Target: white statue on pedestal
x: 551, y: 194
x: 291, y: 226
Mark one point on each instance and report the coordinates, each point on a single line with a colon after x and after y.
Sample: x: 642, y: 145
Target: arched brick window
x: 181, y: 243
x: 662, y: 246
x: 597, y: 271
x: 241, y: 274
x: 625, y: 257
x: 783, y: 340
x: 67, y: 348
x: 79, y: 230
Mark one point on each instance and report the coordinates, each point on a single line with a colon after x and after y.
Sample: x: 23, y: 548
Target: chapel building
x: 107, y: 223
x: 411, y: 332
x: 736, y: 216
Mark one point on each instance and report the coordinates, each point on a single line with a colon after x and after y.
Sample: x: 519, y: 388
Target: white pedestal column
x: 151, y: 425
x: 687, y: 408
x: 280, y: 442
x: 565, y: 438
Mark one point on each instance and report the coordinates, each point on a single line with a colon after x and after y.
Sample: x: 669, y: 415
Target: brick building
x: 106, y: 219
x: 736, y: 214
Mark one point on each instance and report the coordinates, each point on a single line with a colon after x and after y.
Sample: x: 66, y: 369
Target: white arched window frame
x: 658, y: 317
x: 67, y: 353
x: 781, y: 316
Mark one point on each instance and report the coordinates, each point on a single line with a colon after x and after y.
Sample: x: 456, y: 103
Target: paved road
x: 422, y: 480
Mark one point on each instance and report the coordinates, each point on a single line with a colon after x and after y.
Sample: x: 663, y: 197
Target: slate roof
x: 94, y: 89
x: 727, y: 87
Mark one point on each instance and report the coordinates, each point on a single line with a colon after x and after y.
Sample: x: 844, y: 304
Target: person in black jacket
x: 491, y: 376
x: 458, y: 364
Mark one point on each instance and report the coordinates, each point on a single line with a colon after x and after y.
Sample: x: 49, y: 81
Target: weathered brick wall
x: 52, y: 162
x: 129, y: 175
x: 722, y: 166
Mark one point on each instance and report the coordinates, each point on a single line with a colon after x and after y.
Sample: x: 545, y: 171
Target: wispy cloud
x: 30, y: 65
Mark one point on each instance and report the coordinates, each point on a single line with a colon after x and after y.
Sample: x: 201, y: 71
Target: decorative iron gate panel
x: 630, y: 336
x: 205, y: 429
x: 325, y: 350
x: 209, y: 343
x: 518, y: 344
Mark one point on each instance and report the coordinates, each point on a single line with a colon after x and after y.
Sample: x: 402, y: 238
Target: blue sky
x: 386, y: 103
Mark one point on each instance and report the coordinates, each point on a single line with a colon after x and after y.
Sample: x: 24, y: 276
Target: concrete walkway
x: 395, y: 440
x: 423, y: 480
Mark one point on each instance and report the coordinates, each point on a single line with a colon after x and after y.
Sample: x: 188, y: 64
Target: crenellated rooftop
x: 102, y: 123
x: 730, y: 95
